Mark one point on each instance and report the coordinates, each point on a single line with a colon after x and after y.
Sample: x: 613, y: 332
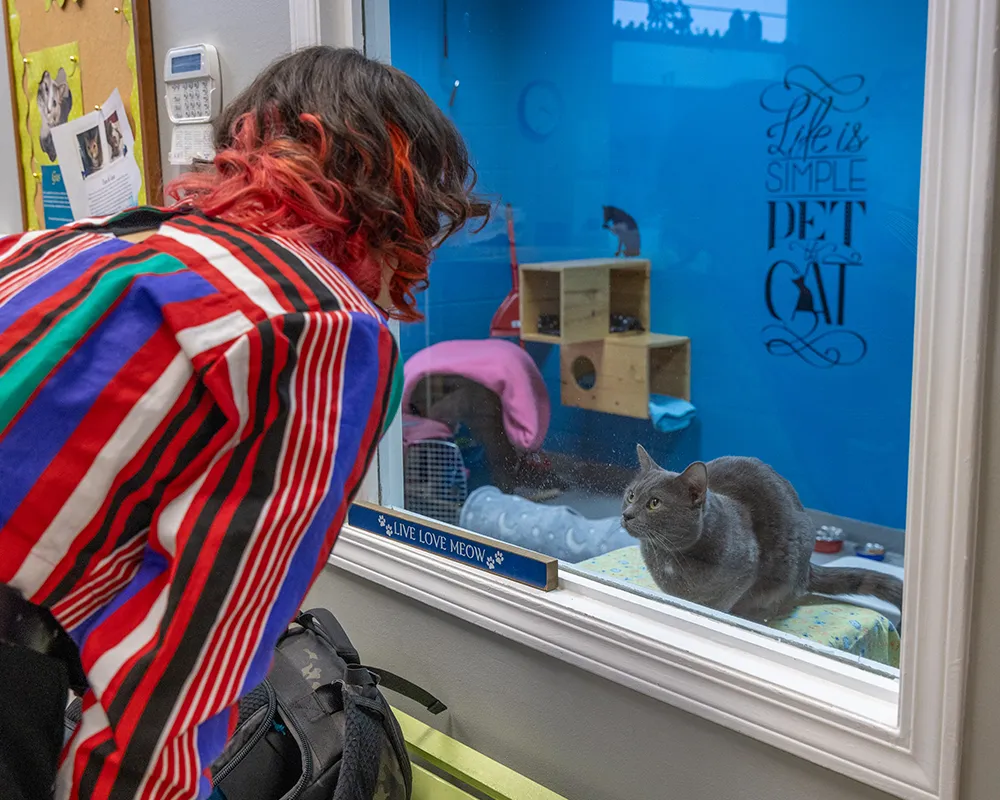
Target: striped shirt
x: 183, y: 422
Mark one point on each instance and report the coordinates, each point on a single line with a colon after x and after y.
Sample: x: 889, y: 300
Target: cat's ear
x: 695, y: 478
x: 646, y: 462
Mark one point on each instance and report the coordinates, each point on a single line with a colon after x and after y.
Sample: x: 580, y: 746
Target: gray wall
x: 582, y: 736
x: 249, y: 34
x: 585, y: 737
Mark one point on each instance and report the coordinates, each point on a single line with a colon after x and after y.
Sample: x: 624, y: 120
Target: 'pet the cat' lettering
x: 819, y: 220
x: 831, y: 293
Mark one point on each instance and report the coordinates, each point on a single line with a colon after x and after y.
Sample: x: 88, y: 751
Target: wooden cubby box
x: 618, y: 374
x: 584, y: 294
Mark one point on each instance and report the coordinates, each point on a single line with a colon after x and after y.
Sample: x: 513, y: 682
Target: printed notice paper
x: 98, y: 162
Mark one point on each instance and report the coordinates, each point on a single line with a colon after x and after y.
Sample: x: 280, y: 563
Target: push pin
x: 25, y: 61
x: 117, y: 10
x: 74, y: 59
x: 97, y: 108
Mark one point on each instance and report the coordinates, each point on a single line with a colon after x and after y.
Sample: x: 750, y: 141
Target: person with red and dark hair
x: 189, y: 400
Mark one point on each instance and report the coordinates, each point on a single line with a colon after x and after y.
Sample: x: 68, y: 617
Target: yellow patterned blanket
x: 859, y: 631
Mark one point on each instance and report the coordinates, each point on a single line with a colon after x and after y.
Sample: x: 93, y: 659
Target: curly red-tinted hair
x: 348, y: 155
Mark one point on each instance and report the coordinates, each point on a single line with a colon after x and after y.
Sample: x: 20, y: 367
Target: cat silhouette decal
x: 805, y: 303
x: 623, y: 226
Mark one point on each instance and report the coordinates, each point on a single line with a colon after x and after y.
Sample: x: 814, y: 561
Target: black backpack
x: 317, y: 728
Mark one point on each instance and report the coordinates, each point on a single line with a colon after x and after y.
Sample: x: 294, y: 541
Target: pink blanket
x: 500, y: 366
x: 418, y: 429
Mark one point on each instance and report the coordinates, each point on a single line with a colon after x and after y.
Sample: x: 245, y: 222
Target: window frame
x: 858, y: 723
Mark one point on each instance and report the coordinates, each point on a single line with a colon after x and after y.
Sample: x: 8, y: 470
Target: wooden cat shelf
x: 618, y: 374
x: 571, y: 304
x: 582, y: 295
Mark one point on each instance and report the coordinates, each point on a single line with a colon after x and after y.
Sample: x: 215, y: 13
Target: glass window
x: 704, y: 244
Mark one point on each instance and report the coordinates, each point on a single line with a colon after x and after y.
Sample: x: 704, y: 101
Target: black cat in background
x: 625, y: 228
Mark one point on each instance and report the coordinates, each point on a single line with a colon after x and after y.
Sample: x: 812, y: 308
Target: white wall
x: 11, y: 220
x: 249, y: 34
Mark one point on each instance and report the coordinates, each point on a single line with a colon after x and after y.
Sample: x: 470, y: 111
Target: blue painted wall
x: 674, y: 132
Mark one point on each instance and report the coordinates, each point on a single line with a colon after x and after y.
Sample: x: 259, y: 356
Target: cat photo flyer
x: 55, y: 96
x: 97, y: 154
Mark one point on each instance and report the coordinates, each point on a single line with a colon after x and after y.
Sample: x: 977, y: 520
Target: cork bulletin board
x: 67, y: 56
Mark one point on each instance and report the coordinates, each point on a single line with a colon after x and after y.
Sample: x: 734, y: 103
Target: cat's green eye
x: 630, y: 496
x: 653, y: 503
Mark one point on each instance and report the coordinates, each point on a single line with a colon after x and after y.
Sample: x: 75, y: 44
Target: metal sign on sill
x: 465, y: 547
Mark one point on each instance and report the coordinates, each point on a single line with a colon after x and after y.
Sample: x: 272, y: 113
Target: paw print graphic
x: 381, y: 520
x: 498, y: 557
x: 490, y: 564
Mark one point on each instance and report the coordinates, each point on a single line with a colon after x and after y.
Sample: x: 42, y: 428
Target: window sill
x: 805, y: 703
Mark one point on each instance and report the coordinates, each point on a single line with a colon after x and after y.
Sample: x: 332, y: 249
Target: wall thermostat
x: 194, y: 84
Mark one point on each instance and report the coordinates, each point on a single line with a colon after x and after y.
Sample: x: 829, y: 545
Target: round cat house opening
x: 584, y: 372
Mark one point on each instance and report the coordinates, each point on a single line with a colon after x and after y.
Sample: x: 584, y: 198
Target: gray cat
x: 732, y: 535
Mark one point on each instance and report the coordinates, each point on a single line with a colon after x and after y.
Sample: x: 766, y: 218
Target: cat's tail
x: 836, y: 580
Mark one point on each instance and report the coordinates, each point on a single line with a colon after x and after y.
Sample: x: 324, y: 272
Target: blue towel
x: 670, y: 413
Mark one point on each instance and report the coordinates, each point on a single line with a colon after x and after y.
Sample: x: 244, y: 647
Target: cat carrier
x: 435, y: 481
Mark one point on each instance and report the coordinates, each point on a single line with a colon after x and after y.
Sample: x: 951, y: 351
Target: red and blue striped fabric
x: 183, y: 422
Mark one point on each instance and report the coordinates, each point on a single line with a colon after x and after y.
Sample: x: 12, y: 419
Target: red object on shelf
x: 829, y: 539
x: 507, y: 319
x: 828, y: 545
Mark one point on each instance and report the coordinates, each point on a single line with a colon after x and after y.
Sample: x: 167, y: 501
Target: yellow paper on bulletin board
x: 55, y: 95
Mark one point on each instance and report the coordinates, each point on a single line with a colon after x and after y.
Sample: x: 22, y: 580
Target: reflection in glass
x: 705, y: 244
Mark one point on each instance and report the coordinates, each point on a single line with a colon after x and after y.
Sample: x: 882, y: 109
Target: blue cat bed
x: 557, y: 531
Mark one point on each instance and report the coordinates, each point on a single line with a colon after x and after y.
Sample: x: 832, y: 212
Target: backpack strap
x: 364, y: 733
x: 322, y: 622
x: 400, y: 685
